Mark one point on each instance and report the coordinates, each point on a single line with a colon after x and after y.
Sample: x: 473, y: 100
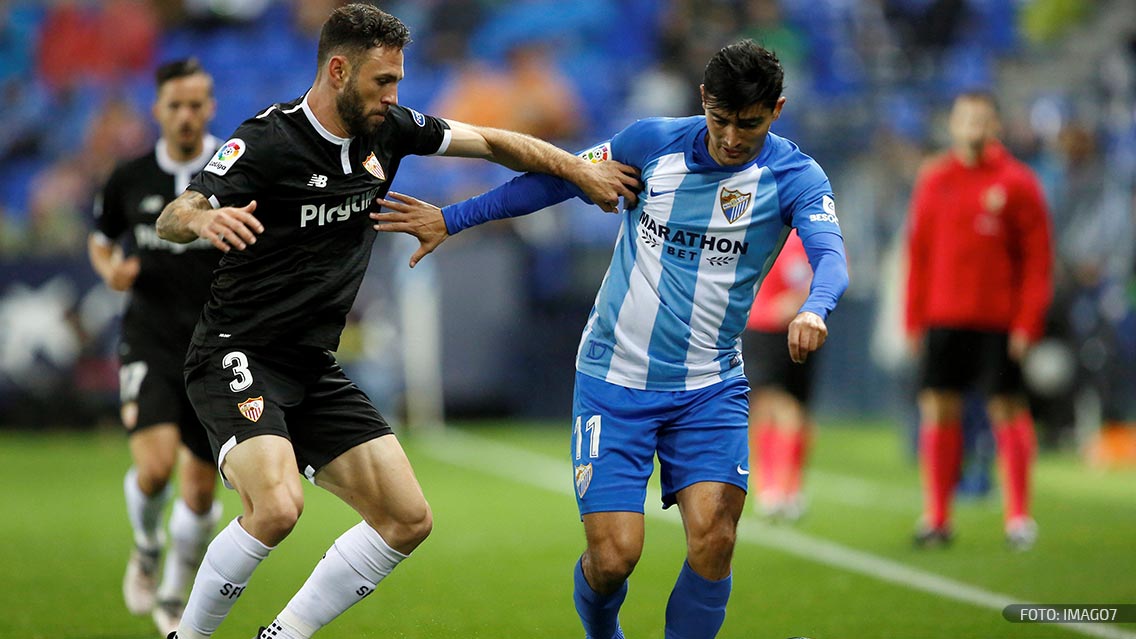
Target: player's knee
x: 154, y: 473
x: 715, y: 540
x: 275, y: 514
x: 410, y: 527
x: 613, y: 561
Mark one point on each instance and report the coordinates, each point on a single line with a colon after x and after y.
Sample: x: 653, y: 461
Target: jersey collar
x: 173, y: 167
x: 320, y: 128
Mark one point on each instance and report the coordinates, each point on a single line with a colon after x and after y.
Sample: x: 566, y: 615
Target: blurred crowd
x: 867, y: 83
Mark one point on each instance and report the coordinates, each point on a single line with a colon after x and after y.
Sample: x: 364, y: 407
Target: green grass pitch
x: 498, y: 564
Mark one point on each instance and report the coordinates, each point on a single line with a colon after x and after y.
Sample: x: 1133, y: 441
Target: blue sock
x: 697, y: 606
x: 599, y: 613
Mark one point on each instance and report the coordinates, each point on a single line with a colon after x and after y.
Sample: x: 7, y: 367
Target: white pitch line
x: 484, y: 455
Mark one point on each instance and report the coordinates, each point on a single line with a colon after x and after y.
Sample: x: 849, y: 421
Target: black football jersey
x: 313, y: 193
x: 173, y: 281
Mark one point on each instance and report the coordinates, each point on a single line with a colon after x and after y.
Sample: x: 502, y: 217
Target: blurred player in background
x: 286, y: 199
x: 978, y: 288
x: 659, y: 369
x: 780, y: 425
x: 168, y: 284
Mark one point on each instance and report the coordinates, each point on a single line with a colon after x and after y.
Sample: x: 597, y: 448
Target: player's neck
x: 181, y: 154
x: 321, y: 100
x: 968, y: 155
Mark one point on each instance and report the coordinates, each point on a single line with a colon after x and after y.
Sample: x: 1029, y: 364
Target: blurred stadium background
x: 488, y: 326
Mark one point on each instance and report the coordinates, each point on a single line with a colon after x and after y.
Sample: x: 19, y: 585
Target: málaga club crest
x: 583, y: 479
x: 252, y: 408
x: 734, y: 204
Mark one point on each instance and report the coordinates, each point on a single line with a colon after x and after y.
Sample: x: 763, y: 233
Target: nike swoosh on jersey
x: 655, y: 193
x: 742, y: 471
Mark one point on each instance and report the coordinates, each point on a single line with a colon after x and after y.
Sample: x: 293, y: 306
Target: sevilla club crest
x: 373, y: 167
x: 252, y: 408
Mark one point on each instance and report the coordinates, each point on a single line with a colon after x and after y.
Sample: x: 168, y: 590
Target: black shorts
x: 297, y: 392
x: 767, y: 363
x: 959, y: 360
x: 152, y: 384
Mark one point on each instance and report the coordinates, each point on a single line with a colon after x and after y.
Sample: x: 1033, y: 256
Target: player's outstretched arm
x: 414, y: 217
x: 601, y: 182
x: 191, y: 216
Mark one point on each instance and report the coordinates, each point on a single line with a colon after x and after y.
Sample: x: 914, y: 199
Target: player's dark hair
x: 175, y: 69
x: 355, y: 28
x: 743, y: 74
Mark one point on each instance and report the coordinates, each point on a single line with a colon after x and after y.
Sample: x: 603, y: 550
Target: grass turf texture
x: 506, y: 534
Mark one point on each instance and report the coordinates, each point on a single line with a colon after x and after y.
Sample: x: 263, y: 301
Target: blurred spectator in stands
x: 117, y: 132
x: 765, y: 25
x: 225, y: 11
x: 663, y: 90
x: 56, y: 209
x: 95, y: 41
x: 529, y: 95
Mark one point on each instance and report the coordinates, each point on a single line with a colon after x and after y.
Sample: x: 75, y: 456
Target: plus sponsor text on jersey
x: 320, y: 214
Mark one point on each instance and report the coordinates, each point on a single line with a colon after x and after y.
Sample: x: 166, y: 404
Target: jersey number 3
x: 239, y: 363
x: 593, y: 428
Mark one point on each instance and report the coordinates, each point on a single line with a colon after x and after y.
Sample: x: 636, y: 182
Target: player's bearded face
x: 353, y: 110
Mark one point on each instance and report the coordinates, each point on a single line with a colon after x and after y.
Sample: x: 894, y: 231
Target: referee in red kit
x: 978, y: 288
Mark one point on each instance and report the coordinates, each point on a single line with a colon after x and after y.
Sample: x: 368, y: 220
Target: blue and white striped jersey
x: 690, y: 256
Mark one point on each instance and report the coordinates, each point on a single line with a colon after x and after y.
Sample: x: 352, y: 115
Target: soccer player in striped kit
x: 659, y: 368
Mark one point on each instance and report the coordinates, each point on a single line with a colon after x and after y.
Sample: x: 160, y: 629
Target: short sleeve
x: 109, y: 210
x: 416, y: 133
x: 238, y: 170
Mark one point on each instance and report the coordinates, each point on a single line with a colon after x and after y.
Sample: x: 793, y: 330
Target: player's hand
x: 413, y: 217
x: 123, y: 271
x: 605, y: 182
x: 229, y: 227
x: 1019, y: 345
x: 807, y: 333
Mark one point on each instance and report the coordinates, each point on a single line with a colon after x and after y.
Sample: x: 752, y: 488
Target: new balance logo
x: 318, y: 181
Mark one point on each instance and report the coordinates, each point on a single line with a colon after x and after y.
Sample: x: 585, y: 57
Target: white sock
x: 225, y: 571
x: 350, y: 571
x: 145, y: 512
x: 189, y: 536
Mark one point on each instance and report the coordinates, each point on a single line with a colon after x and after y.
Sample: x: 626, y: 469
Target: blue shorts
x: 698, y: 435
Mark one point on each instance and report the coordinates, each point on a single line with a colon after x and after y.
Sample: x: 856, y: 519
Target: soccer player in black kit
x: 287, y: 198
x: 168, y: 285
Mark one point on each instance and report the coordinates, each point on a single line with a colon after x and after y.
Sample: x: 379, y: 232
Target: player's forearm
x: 175, y: 224
x: 100, y: 253
x: 830, y: 272
x: 522, y: 152
x: 520, y: 196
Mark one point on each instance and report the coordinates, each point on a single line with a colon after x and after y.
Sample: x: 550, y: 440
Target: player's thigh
x: 376, y: 479
x: 612, y: 444
x: 999, y: 374
x: 614, y: 537
x: 706, y: 439
x: 950, y: 359
x: 240, y: 394
x: 710, y: 506
x: 263, y: 471
x: 334, y: 417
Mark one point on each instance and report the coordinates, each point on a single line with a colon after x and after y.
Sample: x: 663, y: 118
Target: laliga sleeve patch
x: 226, y: 156
x: 600, y: 153
x: 419, y: 119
